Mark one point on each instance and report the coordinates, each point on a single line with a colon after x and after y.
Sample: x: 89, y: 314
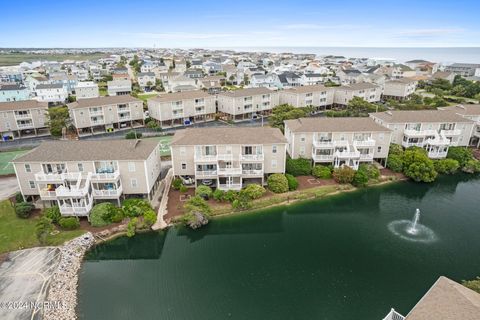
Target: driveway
x: 8, y: 187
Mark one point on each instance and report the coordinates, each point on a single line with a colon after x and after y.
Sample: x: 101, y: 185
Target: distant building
x: 86, y: 89
x: 367, y: 91
x: 119, y: 87
x: 146, y: 80
x: 52, y: 93
x: 399, y: 89
x: 21, y: 119
x: 463, y: 69
x: 13, y: 92
x: 317, y: 96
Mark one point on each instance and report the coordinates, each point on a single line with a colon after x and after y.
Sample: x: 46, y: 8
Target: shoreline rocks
x: 63, y: 285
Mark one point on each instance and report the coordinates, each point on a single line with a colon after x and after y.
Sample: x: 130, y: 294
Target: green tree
x: 395, y: 162
x: 360, y: 107
x: 299, y: 167
x: 57, y: 119
x: 461, y: 154
x: 277, y: 183
x: 322, y: 172
x: 253, y: 191
x: 343, y: 174
x: 421, y: 171
x: 284, y: 112
x: 292, y: 182
x: 43, y: 228
x: 446, y: 166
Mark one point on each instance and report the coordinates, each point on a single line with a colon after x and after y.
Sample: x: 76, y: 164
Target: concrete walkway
x: 162, y: 209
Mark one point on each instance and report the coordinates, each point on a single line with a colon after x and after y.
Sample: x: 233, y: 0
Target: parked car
x: 186, y: 180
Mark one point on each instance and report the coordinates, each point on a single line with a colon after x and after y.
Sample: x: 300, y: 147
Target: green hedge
x: 292, y: 182
x: 322, y: 172
x: 69, y: 223
x: 299, y: 167
x: 446, y: 166
x: 277, y: 183
x: 343, y: 175
x: 253, y: 191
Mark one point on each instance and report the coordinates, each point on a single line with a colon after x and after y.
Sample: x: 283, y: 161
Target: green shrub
x: 360, y: 179
x: 343, y: 174
x: 149, y: 218
x: 292, y: 182
x: 471, y: 166
x: 204, y: 191
x: 395, y: 163
x: 472, y: 284
x: 19, y: 197
x: 461, y: 154
x: 177, y: 183
x: 133, y: 135
x: 242, y: 202
x: 198, y: 204
x: 115, y: 214
x: 421, y: 171
x: 299, y: 167
x: 135, y: 207
x: 183, y: 189
x: 69, y: 223
x: 395, y: 149
x: 322, y: 172
x: 53, y: 214
x: 277, y: 183
x: 446, y: 166
x: 43, y: 228
x: 99, y: 214
x: 132, y: 227
x: 253, y: 191
x: 218, y: 195
x: 414, y: 154
x: 230, y: 195
x: 24, y: 209
x: 372, y: 171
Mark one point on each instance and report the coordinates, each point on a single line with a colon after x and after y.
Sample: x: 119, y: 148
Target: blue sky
x: 140, y: 23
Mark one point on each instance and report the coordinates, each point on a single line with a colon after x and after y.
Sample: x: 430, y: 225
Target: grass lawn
x: 16, y: 233
x: 164, y: 144
x: 5, y: 157
x: 145, y: 96
x: 11, y: 59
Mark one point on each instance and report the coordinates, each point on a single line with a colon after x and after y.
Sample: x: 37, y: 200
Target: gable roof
x: 447, y: 300
x: 175, y: 96
x: 101, y: 101
x: 415, y: 116
x: 465, y: 109
x: 340, y: 124
x: 307, y: 89
x: 22, y: 105
x: 246, y: 92
x: 90, y: 150
x: 228, y: 135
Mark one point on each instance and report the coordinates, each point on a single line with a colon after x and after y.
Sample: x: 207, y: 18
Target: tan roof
x: 347, y: 124
x: 402, y: 80
x: 307, y: 89
x: 22, y: 105
x: 410, y: 116
x: 246, y: 92
x: 465, y: 109
x: 54, y: 151
x: 441, y: 74
x: 184, y: 95
x: 228, y: 135
x: 101, y: 101
x: 447, y: 300
x: 358, y: 86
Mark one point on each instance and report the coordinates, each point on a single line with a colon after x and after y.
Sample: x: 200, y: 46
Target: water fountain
x: 412, y: 230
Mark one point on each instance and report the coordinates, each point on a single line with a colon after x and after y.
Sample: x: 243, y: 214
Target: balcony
x: 366, y: 156
x: 124, y: 118
x: 434, y: 154
x: 230, y: 171
x: 252, y: 172
x: 450, y: 133
x: 205, y: 158
x: 48, y: 195
x: 419, y: 133
x: 177, y: 115
x: 107, y: 176
x: 75, y: 210
x: 205, y: 173
x: 230, y: 186
x: 364, y: 143
x: 94, y: 113
x: 48, y: 177
x: 23, y: 116
x: 108, y: 194
x: 323, y: 144
x: 407, y: 144
x: 322, y: 157
x: 65, y: 192
x: 97, y: 122
x: 25, y: 125
x: 225, y: 157
x: 438, y: 141
x: 347, y: 154
x: 252, y: 157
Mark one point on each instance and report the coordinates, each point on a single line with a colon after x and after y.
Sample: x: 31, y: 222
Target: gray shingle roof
x: 465, y: 109
x: 415, y: 116
x: 246, y: 92
x: 228, y: 135
x: 176, y: 96
x: 49, y: 86
x: 95, y: 150
x: 21, y: 105
x: 347, y: 124
x: 101, y: 101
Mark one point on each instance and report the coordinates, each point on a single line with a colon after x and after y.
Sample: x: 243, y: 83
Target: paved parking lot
x: 24, y: 279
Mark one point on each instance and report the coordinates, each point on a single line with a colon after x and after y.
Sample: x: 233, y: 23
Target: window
x: 184, y: 166
x: 302, y: 150
x: 379, y: 149
x: 80, y: 167
x: 28, y: 168
x: 274, y: 149
x: 274, y: 164
x: 302, y: 138
x: 133, y: 182
x: 131, y: 167
x: 32, y: 184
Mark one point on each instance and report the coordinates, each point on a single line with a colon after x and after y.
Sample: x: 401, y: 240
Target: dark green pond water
x: 326, y: 259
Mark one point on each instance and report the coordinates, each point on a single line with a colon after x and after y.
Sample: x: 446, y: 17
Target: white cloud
x: 180, y: 35
x: 313, y: 26
x: 430, y: 32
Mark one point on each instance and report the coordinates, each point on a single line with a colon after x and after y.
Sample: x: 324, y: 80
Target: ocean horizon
x: 446, y: 55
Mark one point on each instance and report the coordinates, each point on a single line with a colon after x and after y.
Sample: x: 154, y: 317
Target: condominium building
x: 182, y: 108
x: 106, y: 114
x: 228, y: 158
x: 317, y: 96
x: 75, y: 174
x: 86, y: 89
x: 53, y: 93
x: 247, y: 103
x: 368, y: 91
x: 399, y: 89
x: 119, y: 87
x: 472, y: 112
x: 337, y: 141
x: 434, y: 130
x: 22, y: 119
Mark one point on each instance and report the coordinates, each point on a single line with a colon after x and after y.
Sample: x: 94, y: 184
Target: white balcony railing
x: 23, y: 116
x: 25, y: 125
x: 230, y: 186
x: 407, y: 144
x: 177, y: 115
x: 438, y: 141
x: 40, y: 176
x: 437, y: 154
x: 71, y: 192
x: 454, y: 132
x: 419, y: 133
x: 205, y: 173
x: 364, y: 143
x: 48, y: 195
x: 252, y: 172
x: 124, y: 118
x: 96, y: 113
x: 75, y: 210
x: 347, y: 154
x: 225, y: 156
x: 366, y: 156
x: 97, y: 122
x: 322, y: 157
x: 205, y: 158
x: 106, y: 176
x: 323, y: 144
x: 113, y: 193
x: 229, y: 171
x: 251, y: 157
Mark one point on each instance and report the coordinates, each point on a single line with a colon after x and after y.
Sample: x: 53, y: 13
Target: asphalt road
x: 8, y: 187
